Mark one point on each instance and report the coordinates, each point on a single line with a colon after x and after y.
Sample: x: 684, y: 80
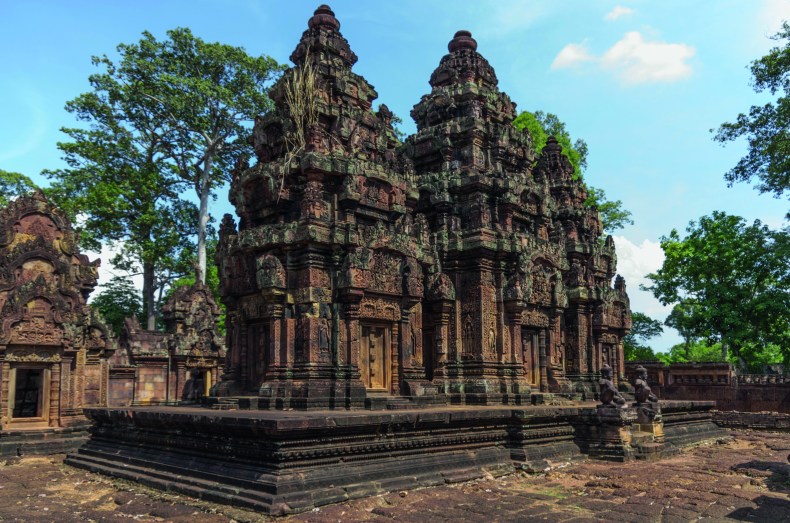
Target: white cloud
x: 571, y: 55
x: 617, y: 12
x: 638, y: 61
x: 633, y: 59
x: 634, y: 263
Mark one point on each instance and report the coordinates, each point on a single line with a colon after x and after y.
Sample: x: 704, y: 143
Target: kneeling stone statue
x: 609, y: 395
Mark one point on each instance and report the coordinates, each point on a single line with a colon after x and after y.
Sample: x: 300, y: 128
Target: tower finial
x: 462, y: 40
x: 324, y: 17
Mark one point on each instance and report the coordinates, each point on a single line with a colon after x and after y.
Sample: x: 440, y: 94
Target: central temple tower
x: 459, y: 266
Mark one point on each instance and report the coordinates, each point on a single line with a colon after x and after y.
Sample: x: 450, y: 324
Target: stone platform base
x: 280, y: 462
x: 42, y: 441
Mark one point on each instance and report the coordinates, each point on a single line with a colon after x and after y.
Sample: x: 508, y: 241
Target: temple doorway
x: 29, y: 394
x: 374, y: 357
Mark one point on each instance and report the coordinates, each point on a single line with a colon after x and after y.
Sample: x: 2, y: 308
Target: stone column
x: 66, y: 384
x: 542, y: 357
x: 54, y: 395
x: 5, y: 371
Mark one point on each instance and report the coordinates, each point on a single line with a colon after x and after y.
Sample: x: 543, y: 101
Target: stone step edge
x: 212, y: 491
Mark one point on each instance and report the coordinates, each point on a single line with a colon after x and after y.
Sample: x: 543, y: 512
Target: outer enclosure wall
x: 717, y: 382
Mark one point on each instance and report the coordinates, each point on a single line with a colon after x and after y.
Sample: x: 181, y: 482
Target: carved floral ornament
x: 32, y: 356
x: 201, y: 363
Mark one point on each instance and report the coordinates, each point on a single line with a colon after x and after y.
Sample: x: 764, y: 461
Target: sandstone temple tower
x: 54, y: 349
x: 461, y: 266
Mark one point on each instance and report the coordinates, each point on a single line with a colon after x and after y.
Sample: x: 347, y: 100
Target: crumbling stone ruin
x: 461, y: 265
x: 177, y: 365
x: 54, y: 348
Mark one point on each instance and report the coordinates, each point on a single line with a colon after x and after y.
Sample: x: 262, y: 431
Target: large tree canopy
x: 732, y: 281
x: 766, y: 127
x: 121, y: 181
x: 169, y: 115
x: 205, y: 96
x: 542, y: 125
x: 12, y: 185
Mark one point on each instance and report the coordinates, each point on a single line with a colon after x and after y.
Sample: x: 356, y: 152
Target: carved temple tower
x: 54, y: 348
x: 459, y: 266
x: 472, y: 167
x: 323, y: 279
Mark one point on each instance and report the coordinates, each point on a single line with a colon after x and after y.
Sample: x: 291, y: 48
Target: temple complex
x: 460, y: 266
x: 54, y: 348
x: 399, y: 314
x: 177, y: 365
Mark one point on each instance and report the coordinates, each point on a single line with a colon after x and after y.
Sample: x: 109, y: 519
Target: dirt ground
x: 746, y: 479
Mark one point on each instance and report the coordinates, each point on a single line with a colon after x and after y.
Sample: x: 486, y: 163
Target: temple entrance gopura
x: 54, y: 349
x: 461, y: 265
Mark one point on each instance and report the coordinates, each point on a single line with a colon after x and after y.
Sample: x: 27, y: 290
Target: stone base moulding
x: 281, y: 462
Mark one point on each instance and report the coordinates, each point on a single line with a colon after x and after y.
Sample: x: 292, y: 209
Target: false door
x: 373, y: 357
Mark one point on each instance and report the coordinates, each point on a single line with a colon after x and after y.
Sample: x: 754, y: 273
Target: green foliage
x: 696, y: 351
x: 12, y: 185
x: 541, y: 126
x: 732, y: 283
x: 613, y: 215
x: 119, y: 300
x: 767, y: 127
x: 643, y: 327
x: 167, y: 116
x: 120, y: 178
x: 684, y: 319
x: 201, y: 97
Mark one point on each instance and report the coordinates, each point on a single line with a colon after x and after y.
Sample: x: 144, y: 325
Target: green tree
x: 699, y: 351
x: 542, y: 125
x: 685, y: 318
x: 119, y: 300
x: 767, y: 127
x: 120, y: 177
x: 205, y: 96
x: 12, y: 185
x: 643, y: 327
x: 738, y: 278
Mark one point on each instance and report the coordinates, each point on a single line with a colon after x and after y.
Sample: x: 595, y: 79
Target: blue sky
x: 642, y: 82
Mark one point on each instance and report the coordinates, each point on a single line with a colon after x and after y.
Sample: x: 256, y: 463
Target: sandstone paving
x: 746, y: 478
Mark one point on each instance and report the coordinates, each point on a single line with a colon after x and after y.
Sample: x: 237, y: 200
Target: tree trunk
x: 148, y: 295
x: 723, y: 350
x: 203, y: 194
